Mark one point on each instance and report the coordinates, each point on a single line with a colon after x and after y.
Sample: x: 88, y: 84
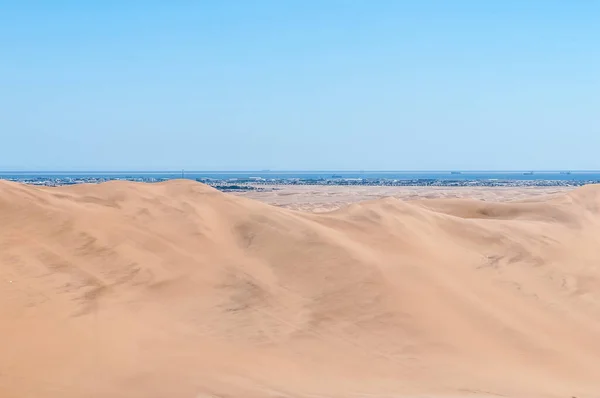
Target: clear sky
x: 307, y: 84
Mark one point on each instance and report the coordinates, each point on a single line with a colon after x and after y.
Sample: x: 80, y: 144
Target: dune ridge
x: 177, y: 290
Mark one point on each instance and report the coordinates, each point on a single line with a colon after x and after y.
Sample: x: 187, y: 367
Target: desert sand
x: 323, y: 198
x: 177, y: 290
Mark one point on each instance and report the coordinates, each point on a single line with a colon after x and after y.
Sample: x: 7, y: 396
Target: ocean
x: 315, y: 175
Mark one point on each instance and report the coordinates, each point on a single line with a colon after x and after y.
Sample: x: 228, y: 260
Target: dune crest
x: 178, y: 290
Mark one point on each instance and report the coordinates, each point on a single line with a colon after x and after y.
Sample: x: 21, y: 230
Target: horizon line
x: 179, y: 171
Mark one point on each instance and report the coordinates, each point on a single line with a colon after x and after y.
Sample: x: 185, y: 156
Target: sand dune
x: 178, y: 290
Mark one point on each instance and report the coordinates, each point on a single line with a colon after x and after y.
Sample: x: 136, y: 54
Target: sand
x: 323, y: 198
x: 177, y: 290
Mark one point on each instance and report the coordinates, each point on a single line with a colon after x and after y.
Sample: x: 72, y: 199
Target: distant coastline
x: 255, y: 180
x: 285, y: 171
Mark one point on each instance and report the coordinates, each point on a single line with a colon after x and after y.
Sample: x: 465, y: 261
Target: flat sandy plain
x: 326, y: 198
x: 132, y: 290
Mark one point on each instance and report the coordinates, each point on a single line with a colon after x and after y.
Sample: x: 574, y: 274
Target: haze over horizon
x: 336, y: 85
x: 178, y: 171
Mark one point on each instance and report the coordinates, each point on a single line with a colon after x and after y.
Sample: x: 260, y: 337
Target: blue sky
x: 282, y: 84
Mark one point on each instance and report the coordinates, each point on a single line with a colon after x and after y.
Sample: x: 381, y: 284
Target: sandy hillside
x: 176, y: 290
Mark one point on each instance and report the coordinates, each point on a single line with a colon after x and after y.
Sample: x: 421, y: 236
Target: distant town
x: 266, y: 183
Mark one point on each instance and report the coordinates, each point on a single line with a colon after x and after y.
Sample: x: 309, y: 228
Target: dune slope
x: 178, y: 290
